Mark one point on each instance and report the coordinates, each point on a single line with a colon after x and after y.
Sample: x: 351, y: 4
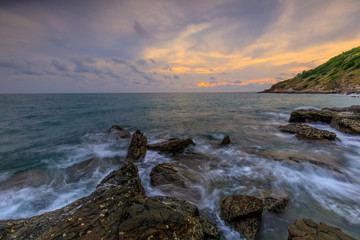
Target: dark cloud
x: 83, y: 65
x: 237, y: 81
x: 212, y: 78
x: 59, y: 66
x: 141, y: 31
x: 167, y: 67
x: 152, y: 60
x: 134, y: 69
x: 283, y: 74
x: 21, y: 67
x: 176, y: 77
x: 279, y: 78
x: 141, y: 62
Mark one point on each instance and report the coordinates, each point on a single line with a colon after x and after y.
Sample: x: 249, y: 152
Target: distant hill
x: 341, y: 74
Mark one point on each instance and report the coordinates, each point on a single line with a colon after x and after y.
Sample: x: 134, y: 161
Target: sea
x: 46, y: 141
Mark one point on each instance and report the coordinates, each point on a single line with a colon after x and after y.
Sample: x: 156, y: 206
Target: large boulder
x: 307, y: 229
x: 137, y: 149
x: 171, y: 146
x: 310, y: 115
x: 308, y: 132
x: 119, y: 132
x: 168, y: 173
x: 117, y: 209
x: 244, y: 213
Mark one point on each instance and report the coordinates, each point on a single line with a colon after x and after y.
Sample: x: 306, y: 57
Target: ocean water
x: 54, y: 149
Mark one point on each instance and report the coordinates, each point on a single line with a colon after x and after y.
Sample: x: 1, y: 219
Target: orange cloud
x: 255, y: 81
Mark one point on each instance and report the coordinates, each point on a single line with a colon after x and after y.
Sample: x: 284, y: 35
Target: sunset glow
x: 138, y: 46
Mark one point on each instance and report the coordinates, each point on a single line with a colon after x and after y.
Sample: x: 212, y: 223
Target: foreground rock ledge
x: 307, y: 229
x: 117, y: 209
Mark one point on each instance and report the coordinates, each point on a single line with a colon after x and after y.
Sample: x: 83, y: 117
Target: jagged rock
x: 308, y: 132
x: 117, y: 209
x: 172, y: 146
x: 274, y: 200
x: 137, y: 148
x: 346, y: 120
x: 310, y: 115
x: 225, y: 141
x: 168, y: 173
x: 346, y: 123
x: 119, y: 131
x: 308, y: 229
x: 244, y: 213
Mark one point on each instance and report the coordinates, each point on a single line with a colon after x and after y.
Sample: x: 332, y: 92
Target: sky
x: 88, y: 46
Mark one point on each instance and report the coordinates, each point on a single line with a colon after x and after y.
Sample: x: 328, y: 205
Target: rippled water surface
x: 55, y: 149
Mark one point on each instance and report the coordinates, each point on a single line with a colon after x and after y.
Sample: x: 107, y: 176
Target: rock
x: 244, y: 213
x: 172, y: 146
x: 119, y: 132
x: 308, y: 229
x: 168, y: 173
x: 117, y: 209
x: 346, y: 123
x: 346, y: 120
x: 310, y: 115
x: 137, y: 148
x: 308, y: 132
x: 225, y: 141
x: 274, y: 200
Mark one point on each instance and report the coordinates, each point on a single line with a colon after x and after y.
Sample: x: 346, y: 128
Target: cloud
x: 141, y: 62
x: 59, y: 66
x: 176, y: 77
x: 141, y: 31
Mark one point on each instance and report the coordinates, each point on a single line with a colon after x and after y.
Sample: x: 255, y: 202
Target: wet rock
x: 346, y: 119
x: 225, y: 141
x: 119, y: 132
x: 310, y: 115
x: 347, y: 123
x: 244, y: 213
x: 168, y: 173
x: 274, y: 200
x: 117, y: 209
x: 308, y: 132
x: 171, y: 146
x: 308, y: 229
x: 137, y: 149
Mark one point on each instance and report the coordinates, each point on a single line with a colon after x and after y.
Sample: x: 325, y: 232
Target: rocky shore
x: 120, y: 209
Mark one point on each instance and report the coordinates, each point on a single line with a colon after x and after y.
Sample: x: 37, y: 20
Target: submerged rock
x: 168, y: 173
x: 119, y: 132
x: 117, y: 209
x: 308, y: 229
x: 308, y: 132
x: 244, y: 213
x: 172, y: 146
x: 225, y: 141
x: 137, y: 148
x: 296, y: 159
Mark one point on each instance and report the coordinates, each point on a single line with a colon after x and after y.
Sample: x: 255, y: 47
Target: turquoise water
x: 44, y: 139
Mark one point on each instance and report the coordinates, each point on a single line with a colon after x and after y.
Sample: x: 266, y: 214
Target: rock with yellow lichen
x: 117, y: 209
